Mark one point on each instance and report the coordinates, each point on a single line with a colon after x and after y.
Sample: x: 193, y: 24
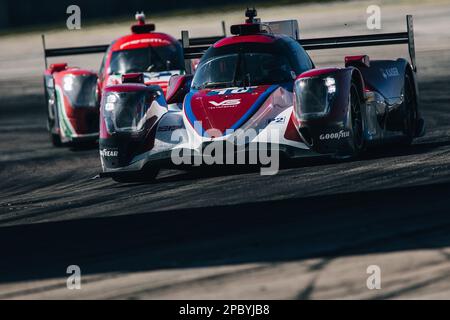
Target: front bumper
x: 196, y: 158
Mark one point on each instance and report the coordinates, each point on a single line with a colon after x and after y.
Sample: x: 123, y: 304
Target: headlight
x: 125, y: 111
x: 331, y: 84
x: 314, y: 96
x: 111, y: 100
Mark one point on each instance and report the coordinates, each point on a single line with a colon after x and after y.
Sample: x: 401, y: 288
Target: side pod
x: 385, y: 83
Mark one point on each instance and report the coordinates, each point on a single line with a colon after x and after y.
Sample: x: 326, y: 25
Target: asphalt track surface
x: 309, y: 232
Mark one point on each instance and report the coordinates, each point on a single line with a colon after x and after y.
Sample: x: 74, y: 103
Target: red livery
x: 74, y: 94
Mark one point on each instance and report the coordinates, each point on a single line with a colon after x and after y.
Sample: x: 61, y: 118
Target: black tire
x: 356, y: 121
x: 148, y: 175
x: 410, y: 111
x: 55, y: 140
x: 52, y: 124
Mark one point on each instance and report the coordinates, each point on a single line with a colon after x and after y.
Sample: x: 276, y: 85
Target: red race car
x: 73, y: 94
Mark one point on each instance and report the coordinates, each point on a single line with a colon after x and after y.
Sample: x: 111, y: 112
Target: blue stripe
x: 261, y: 99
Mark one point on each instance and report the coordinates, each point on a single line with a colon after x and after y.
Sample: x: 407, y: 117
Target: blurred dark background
x: 25, y: 13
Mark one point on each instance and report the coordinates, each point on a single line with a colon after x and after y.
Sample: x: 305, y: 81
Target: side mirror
x: 178, y: 88
x: 57, y: 67
x: 361, y: 61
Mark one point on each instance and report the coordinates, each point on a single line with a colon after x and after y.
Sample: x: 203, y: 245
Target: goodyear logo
x: 335, y: 136
x: 109, y: 153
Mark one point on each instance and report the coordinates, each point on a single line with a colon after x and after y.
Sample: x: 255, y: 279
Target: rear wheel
x: 135, y: 177
x: 410, y: 110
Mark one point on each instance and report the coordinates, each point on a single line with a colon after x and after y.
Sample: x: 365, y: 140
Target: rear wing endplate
x: 195, y: 49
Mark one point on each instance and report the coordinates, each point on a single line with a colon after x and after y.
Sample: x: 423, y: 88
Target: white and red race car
x: 255, y: 91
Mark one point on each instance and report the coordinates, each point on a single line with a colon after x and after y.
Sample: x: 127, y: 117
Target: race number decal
x: 231, y: 91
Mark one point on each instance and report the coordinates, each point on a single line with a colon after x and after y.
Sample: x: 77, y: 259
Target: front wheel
x: 53, y: 125
x: 356, y: 122
x: 55, y: 140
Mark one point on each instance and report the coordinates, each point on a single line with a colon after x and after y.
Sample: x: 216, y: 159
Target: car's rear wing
x: 195, y: 49
x: 57, y: 52
x: 70, y: 51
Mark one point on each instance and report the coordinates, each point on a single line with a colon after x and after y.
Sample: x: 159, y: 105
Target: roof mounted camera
x: 252, y: 24
x: 141, y: 26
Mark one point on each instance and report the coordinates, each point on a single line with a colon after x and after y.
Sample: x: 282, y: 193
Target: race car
x: 259, y: 89
x: 73, y: 94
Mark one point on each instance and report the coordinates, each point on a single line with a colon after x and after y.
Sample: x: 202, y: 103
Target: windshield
x: 243, y: 69
x: 150, y: 59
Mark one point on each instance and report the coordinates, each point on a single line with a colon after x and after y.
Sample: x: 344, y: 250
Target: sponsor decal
x: 143, y: 41
x: 390, y: 72
x: 109, y: 153
x: 225, y: 103
x: 279, y: 120
x: 335, y: 136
